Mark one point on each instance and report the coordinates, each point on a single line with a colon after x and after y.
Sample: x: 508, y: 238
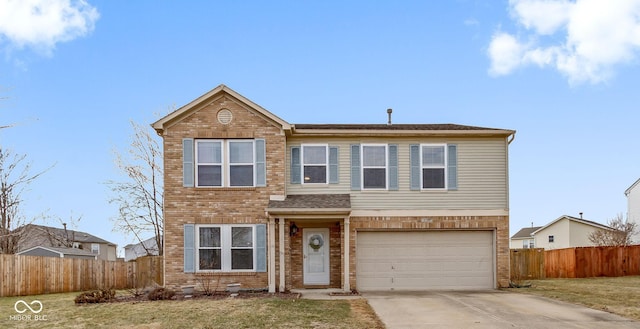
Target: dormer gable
x: 219, y: 95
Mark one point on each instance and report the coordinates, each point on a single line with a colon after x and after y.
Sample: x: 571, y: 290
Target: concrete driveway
x: 486, y: 309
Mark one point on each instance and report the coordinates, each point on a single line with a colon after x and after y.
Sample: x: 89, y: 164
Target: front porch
x: 307, y: 244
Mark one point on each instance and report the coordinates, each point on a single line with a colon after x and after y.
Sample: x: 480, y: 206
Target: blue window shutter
x: 295, y: 165
x: 355, y: 167
x: 261, y: 248
x: 189, y: 248
x: 452, y: 166
x: 333, y: 165
x: 414, y: 157
x: 187, y: 162
x: 261, y: 168
x: 393, y: 167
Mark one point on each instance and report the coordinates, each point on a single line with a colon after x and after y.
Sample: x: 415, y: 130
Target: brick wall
x: 216, y: 205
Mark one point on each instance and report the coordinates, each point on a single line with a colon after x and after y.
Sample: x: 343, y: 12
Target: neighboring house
x: 524, y: 238
x: 62, y: 252
x: 148, y: 247
x: 566, y: 232
x: 255, y: 200
x: 633, y: 208
x: 44, y: 236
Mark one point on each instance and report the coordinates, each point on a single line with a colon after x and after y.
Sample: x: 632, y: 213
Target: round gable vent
x: 225, y: 116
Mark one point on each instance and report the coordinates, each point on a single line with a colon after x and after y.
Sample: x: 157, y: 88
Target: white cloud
x: 584, y: 39
x: 41, y: 24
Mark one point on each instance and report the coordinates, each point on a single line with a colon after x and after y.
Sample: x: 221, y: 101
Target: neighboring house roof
x: 75, y: 236
x: 62, y: 251
x: 310, y: 203
x: 526, y: 232
x: 578, y: 220
x: 627, y: 191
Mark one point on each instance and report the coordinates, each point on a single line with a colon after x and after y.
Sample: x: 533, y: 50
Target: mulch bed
x: 215, y: 296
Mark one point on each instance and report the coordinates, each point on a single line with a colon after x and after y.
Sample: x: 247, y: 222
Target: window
x: 225, y: 247
x: 531, y: 244
x: 314, y: 164
x: 76, y: 245
x: 551, y: 238
x: 225, y: 163
x: 95, y: 248
x: 434, y: 166
x: 374, y: 166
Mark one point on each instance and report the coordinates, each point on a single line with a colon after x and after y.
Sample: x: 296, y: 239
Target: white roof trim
x: 627, y: 191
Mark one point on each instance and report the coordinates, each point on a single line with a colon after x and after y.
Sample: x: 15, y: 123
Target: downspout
x: 513, y: 136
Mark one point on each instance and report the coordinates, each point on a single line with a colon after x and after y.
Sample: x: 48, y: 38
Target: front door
x: 315, y: 248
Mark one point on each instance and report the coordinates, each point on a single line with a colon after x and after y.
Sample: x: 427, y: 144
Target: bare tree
x: 620, y: 234
x: 15, y: 178
x: 140, y: 199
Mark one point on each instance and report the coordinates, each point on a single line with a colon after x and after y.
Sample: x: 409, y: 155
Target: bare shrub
x: 161, y: 294
x: 96, y: 296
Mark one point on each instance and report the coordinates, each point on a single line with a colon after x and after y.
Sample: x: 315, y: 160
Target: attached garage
x: 425, y: 260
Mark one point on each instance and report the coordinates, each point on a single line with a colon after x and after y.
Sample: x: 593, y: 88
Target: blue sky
x: 564, y: 74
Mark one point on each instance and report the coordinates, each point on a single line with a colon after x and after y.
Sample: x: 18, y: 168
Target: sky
x: 563, y: 74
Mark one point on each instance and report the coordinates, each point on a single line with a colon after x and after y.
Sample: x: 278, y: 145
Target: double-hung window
x: 374, y: 166
x: 314, y: 164
x: 225, y: 163
x: 225, y: 247
x: 434, y: 166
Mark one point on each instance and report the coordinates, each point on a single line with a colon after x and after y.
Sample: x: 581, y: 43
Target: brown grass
x: 620, y: 295
x: 60, y: 311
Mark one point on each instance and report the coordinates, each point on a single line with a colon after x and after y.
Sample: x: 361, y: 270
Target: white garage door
x: 460, y: 260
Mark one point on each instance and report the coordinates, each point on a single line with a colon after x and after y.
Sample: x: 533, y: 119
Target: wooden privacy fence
x: 33, y: 275
x: 580, y: 262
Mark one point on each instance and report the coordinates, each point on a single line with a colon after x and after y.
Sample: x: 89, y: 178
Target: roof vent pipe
x: 580, y: 214
x: 389, y: 111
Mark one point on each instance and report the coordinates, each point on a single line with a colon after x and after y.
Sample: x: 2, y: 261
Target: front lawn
x: 619, y: 295
x: 60, y: 311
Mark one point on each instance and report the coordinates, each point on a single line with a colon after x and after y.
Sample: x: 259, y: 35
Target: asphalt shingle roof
x: 313, y: 201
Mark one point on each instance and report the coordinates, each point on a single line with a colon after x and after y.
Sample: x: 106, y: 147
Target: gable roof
x: 214, y: 93
x: 627, y: 191
x: 578, y: 220
x: 75, y: 236
x: 525, y: 232
x: 326, y: 129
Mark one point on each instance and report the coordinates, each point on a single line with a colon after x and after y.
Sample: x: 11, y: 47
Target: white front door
x: 315, y: 248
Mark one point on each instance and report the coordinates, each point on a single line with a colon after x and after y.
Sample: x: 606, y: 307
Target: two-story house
x: 255, y: 200
x: 40, y: 240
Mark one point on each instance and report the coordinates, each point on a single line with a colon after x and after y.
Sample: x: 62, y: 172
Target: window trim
x: 444, y: 166
x: 226, y: 247
x: 95, y: 248
x: 363, y: 167
x: 326, y: 163
x: 225, y: 165
x: 552, y: 239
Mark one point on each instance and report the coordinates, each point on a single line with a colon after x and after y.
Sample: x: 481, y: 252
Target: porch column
x: 281, y: 250
x: 346, y: 286
x: 272, y: 255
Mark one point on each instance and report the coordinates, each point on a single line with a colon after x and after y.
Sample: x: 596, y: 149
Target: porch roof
x: 311, y: 204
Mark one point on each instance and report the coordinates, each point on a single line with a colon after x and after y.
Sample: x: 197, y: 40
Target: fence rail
x: 579, y: 262
x: 33, y: 275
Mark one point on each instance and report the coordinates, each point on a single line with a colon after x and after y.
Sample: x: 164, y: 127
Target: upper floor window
x: 314, y: 164
x: 225, y: 247
x: 434, y: 167
x: 551, y: 238
x: 374, y: 166
x: 225, y: 163
x: 95, y: 248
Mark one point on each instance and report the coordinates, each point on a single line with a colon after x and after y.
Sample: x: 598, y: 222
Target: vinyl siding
x: 482, y: 176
